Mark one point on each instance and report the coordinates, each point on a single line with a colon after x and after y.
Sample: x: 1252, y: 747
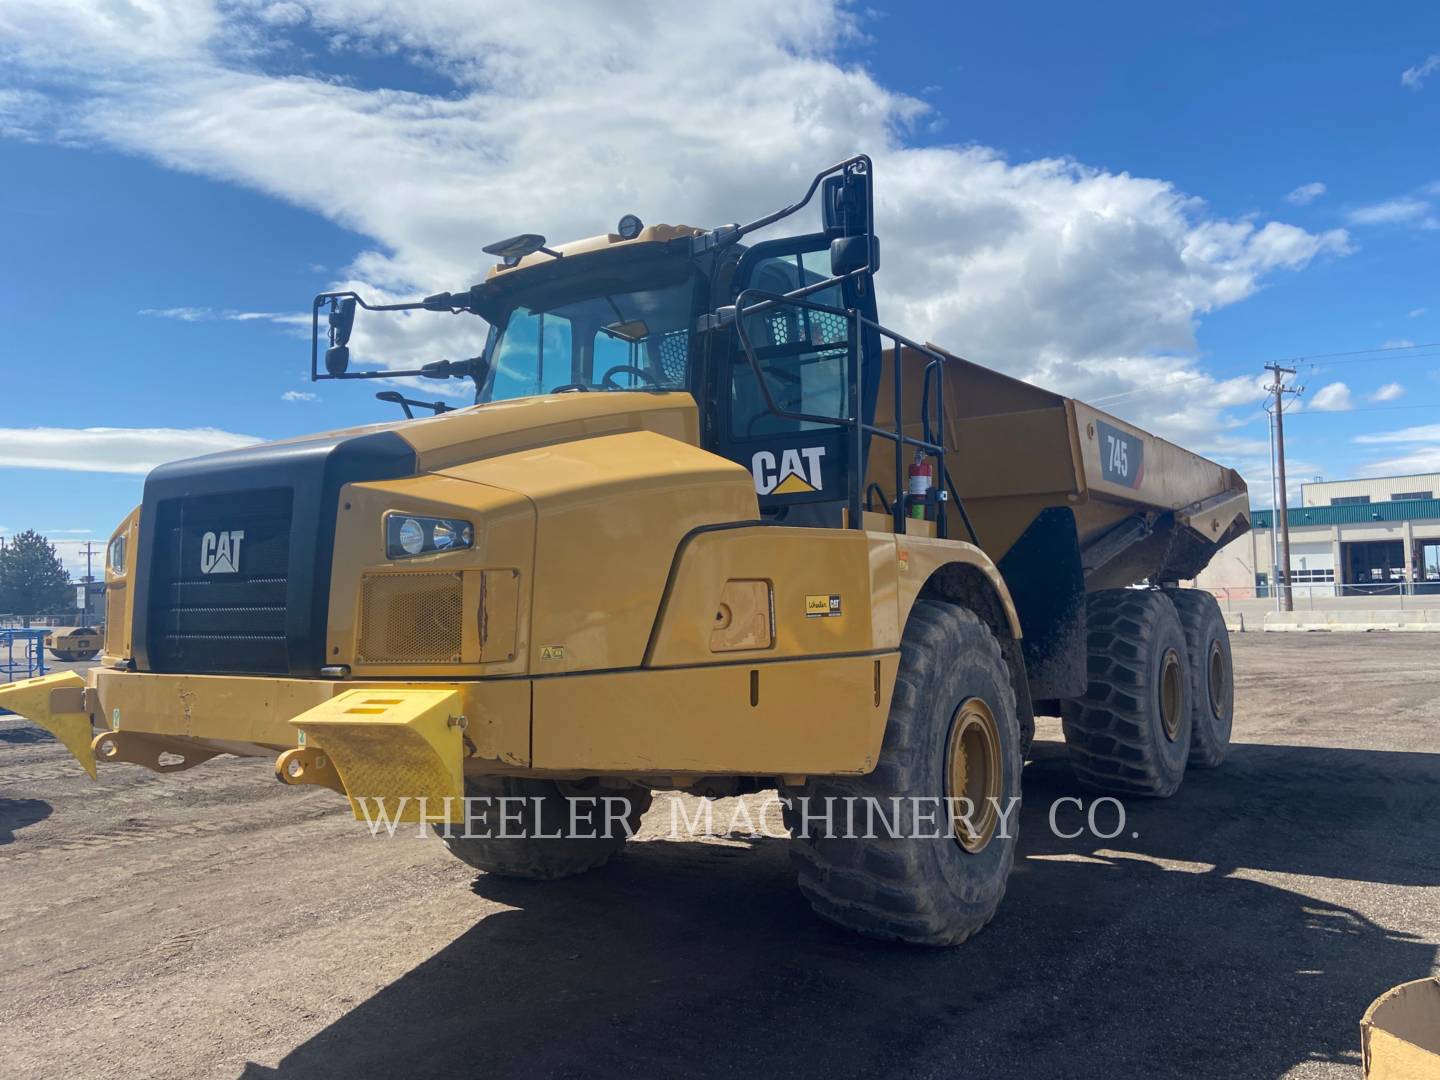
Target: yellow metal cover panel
x: 810, y: 717
x: 610, y: 512
x: 398, y: 752
x: 503, y: 427
x: 857, y: 569
x: 1400, y: 1033
x: 504, y: 543
x: 744, y: 617
x: 499, y: 611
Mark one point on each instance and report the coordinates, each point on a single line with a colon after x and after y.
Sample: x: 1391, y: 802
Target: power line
x: 1310, y: 358
x: 1199, y: 374
x: 1368, y: 408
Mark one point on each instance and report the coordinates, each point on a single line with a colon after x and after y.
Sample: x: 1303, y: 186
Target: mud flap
x: 57, y: 704
x: 399, y: 753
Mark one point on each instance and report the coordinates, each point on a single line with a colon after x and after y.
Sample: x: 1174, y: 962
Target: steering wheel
x: 630, y: 369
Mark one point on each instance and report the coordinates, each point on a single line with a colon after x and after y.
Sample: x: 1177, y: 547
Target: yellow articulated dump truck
x: 708, y: 526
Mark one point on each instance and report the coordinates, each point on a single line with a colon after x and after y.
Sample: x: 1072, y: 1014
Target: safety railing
x: 22, y: 654
x: 754, y: 301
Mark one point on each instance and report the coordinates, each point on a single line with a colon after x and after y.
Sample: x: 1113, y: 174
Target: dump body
x: 1142, y: 507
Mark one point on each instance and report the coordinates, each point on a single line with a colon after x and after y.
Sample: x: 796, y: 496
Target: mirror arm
x: 770, y: 219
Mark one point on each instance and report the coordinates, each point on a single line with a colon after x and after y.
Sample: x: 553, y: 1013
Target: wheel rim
x: 1172, y: 694
x: 1216, y: 669
x: 973, y: 772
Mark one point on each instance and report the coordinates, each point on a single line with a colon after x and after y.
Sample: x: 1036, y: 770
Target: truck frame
x: 710, y: 526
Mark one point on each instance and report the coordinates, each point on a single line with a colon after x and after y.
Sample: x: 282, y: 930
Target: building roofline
x: 1372, y: 479
x: 1352, y: 513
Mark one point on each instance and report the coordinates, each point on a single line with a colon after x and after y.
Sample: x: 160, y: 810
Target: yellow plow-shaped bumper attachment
x: 399, y: 752
x: 57, y: 704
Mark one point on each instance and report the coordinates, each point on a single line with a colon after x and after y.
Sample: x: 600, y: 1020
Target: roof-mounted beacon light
x: 629, y: 227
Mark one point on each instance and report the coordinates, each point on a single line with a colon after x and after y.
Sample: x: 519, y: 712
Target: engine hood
x: 481, y: 431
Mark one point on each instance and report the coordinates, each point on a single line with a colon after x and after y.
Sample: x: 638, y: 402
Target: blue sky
x: 1132, y: 205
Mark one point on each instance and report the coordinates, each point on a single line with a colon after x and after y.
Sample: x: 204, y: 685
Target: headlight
x: 115, y: 556
x: 407, y: 535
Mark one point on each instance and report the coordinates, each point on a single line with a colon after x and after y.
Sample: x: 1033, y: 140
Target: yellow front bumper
x: 396, y: 752
x: 403, y: 742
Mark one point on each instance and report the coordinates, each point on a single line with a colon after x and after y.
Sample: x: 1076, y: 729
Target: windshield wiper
x: 405, y: 403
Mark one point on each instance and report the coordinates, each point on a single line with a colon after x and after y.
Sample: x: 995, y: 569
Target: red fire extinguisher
x: 921, y: 477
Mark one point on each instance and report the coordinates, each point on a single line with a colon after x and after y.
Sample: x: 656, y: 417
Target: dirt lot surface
x: 218, y: 924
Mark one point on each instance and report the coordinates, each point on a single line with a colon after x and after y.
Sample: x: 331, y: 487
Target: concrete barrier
x: 1354, y: 621
x: 1235, y: 622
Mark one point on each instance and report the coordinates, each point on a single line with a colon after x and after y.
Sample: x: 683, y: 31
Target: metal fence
x: 1316, y: 596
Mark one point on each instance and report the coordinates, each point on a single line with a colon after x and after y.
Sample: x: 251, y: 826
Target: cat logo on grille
x: 220, y: 552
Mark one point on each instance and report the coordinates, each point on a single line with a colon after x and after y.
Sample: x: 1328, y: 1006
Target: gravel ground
x: 218, y: 924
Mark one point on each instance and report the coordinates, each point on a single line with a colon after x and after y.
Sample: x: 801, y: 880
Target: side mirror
x: 845, y: 204
x: 851, y: 253
x: 342, y: 320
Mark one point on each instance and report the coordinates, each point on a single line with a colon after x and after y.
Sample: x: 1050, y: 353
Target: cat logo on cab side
x: 796, y: 472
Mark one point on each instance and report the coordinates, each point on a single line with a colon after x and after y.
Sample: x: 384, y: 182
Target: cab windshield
x: 618, y: 329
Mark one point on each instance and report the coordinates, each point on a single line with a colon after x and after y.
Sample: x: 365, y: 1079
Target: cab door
x: 802, y: 468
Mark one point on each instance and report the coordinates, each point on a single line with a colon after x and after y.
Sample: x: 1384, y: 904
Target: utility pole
x: 89, y: 577
x: 1279, y: 389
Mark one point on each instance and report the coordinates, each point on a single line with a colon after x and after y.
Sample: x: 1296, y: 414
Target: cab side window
x: 803, y: 353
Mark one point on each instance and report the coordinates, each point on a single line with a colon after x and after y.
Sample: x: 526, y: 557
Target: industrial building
x: 1347, y: 538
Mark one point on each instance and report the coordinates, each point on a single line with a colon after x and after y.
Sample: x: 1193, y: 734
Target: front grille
x: 410, y: 618
x: 219, y: 581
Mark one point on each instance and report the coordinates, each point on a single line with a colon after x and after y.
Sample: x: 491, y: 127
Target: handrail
x: 764, y: 301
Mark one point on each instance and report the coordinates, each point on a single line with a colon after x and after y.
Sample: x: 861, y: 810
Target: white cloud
x: 1403, y: 210
x: 1418, y: 451
x: 1415, y: 77
x: 110, y: 450
x: 1087, y: 281
x: 1306, y: 193
x: 1415, y: 313
x: 1425, y: 433
x: 1391, y: 391
x: 1397, y: 343
x: 1332, y: 398
x: 299, y: 395
x: 283, y: 13
x: 205, y: 314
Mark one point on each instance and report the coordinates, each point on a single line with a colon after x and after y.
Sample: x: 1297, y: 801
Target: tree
x: 32, y: 579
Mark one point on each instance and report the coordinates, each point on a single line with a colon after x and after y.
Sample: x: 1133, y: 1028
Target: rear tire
x: 1212, y: 675
x: 1130, y: 734
x: 530, y: 848
x: 952, y: 731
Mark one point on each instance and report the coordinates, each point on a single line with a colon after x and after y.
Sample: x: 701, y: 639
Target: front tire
x: 539, y: 809
x: 952, y: 731
x: 1130, y: 734
x: 1212, y: 676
